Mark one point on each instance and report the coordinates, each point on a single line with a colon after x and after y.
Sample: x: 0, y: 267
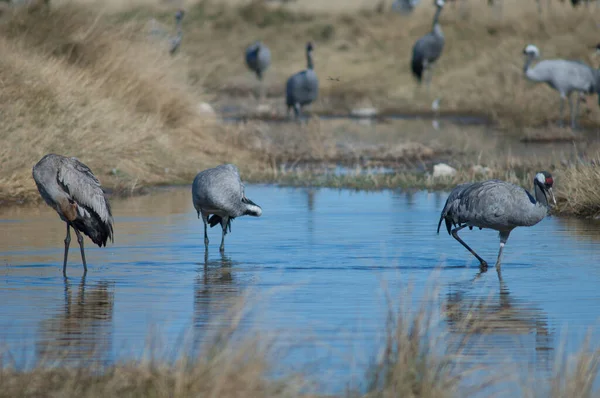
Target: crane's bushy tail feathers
x: 96, y: 229
x: 253, y: 209
x: 448, y: 224
x: 417, y: 68
x: 214, y: 220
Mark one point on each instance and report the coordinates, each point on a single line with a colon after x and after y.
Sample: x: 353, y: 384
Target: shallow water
x: 318, y: 261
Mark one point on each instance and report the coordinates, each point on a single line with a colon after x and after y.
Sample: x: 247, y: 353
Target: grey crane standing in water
x: 564, y: 76
x: 303, y: 87
x: 497, y: 205
x: 427, y: 49
x: 219, y: 191
x: 176, y: 41
x: 258, y: 60
x: 70, y: 188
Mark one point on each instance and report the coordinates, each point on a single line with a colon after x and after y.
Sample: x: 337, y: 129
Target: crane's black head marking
x: 544, y: 180
x: 309, y: 46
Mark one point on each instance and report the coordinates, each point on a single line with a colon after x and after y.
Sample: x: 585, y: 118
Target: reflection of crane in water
x: 488, y: 323
x: 81, y: 331
x: 214, y: 291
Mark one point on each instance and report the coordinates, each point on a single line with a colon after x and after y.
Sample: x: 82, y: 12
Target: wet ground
x: 318, y: 261
x: 410, y: 143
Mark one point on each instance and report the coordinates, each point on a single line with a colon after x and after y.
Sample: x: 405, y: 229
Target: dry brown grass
x: 76, y: 85
x: 579, y: 192
x: 480, y: 71
x: 85, y: 80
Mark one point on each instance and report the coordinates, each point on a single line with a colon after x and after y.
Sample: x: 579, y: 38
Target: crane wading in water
x: 564, y: 76
x: 70, y: 188
x: 497, y: 205
x: 428, y: 48
x: 219, y: 191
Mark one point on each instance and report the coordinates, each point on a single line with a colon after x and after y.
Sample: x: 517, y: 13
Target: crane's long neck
x: 540, y: 195
x: 309, y: 59
x: 436, y: 17
x: 528, y: 61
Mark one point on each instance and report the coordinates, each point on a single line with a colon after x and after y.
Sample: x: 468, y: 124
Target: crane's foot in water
x: 483, y: 266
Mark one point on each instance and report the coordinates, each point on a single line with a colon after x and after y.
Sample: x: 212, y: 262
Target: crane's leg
x: 297, y: 111
x: 572, y: 110
x: 224, y: 224
x: 205, y: 221
x: 503, y: 238
x: 574, y: 118
x: 429, y: 73
x: 562, y: 110
x: 67, y: 243
x: 261, y: 88
x: 482, y: 264
x: 80, y: 241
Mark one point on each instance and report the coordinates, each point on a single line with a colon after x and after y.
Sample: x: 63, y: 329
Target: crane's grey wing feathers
x: 490, y: 204
x: 565, y: 76
x: 83, y: 186
x: 258, y: 58
x: 428, y: 47
x: 453, y: 197
x: 302, y: 88
x: 219, y: 189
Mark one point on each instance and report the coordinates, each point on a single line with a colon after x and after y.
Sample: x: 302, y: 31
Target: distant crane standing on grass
x: 219, y: 191
x: 564, y: 76
x: 303, y: 87
x: 70, y: 188
x: 176, y: 41
x: 404, y: 6
x: 497, y: 205
x: 258, y: 60
x: 427, y: 49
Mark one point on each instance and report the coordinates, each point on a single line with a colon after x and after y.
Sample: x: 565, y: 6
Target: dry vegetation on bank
x: 480, y: 71
x: 86, y: 80
x: 74, y: 84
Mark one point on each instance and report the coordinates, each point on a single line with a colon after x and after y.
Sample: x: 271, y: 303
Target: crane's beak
x: 552, y: 194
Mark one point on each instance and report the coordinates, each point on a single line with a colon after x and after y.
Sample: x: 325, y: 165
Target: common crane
x: 258, y: 60
x: 427, y: 49
x: 219, y: 191
x: 497, y: 205
x: 404, y: 6
x: 176, y: 41
x: 303, y: 87
x: 564, y: 76
x: 70, y: 188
